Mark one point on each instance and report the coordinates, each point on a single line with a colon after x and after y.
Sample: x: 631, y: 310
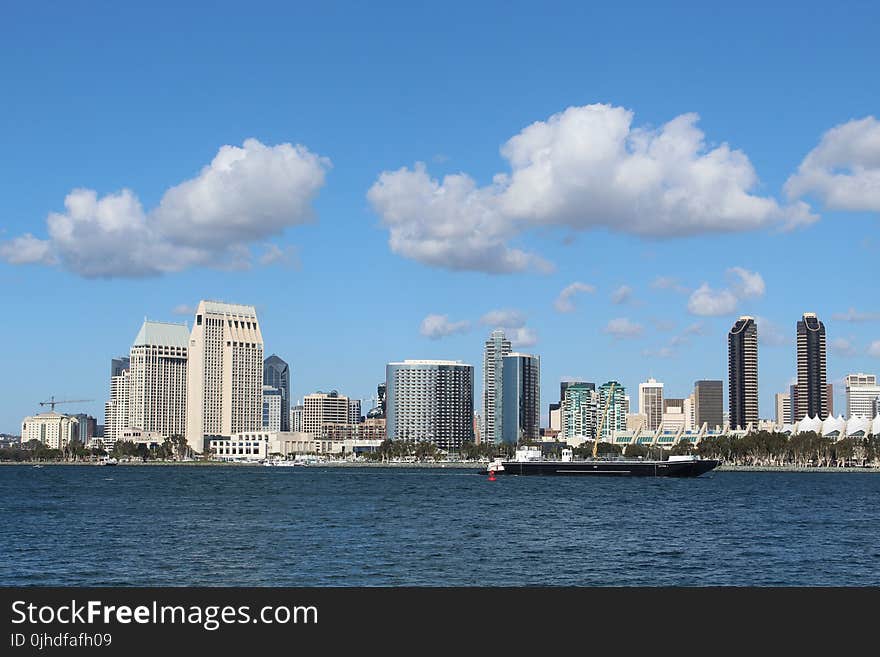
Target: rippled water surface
x: 239, y: 526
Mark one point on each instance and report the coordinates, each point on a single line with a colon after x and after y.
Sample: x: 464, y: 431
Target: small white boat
x: 279, y: 463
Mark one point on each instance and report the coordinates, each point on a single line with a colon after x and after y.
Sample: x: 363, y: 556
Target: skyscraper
x: 158, y: 379
x: 812, y: 399
x: 354, y: 411
x: 709, y: 403
x: 615, y: 415
x: 861, y: 392
x: 116, y: 408
x: 651, y: 402
x: 521, y: 398
x: 276, y: 373
x: 224, y: 373
x: 431, y: 400
x: 273, y: 407
x: 783, y: 408
x: 579, y: 412
x: 324, y: 408
x: 742, y: 357
x: 497, y: 347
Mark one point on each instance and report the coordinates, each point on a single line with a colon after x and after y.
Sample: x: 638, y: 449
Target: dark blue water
x: 239, y: 526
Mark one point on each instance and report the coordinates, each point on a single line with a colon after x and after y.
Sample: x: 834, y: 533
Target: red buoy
x: 491, y: 475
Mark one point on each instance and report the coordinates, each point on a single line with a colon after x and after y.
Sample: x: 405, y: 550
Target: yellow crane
x: 51, y: 402
x: 602, y: 418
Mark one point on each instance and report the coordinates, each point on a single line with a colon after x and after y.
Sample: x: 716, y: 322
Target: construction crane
x: 51, y: 403
x: 602, y: 419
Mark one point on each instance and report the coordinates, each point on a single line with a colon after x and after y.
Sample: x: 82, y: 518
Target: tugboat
x: 529, y: 461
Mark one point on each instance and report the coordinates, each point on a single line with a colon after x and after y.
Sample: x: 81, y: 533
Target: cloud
x: 244, y: 196
x: 184, y: 309
x: 662, y: 352
x: 853, y: 315
x: 745, y: 284
x: 522, y: 337
x: 711, y: 303
x: 621, y: 295
x: 621, y: 327
x: 844, y: 169
x: 504, y: 319
x: 439, y: 326
x: 844, y: 347
x: 698, y: 328
x: 874, y: 349
x: 564, y: 303
x: 583, y: 168
x: 750, y: 284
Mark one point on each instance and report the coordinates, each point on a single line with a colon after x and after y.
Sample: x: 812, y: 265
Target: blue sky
x: 781, y: 220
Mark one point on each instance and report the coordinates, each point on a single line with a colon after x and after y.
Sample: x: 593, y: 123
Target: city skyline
x: 599, y: 292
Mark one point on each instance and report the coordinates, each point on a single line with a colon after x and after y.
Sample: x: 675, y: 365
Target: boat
x: 108, y: 461
x: 279, y: 463
x: 528, y: 461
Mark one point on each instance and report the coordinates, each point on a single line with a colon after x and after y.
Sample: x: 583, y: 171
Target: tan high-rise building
x: 322, y: 408
x: 224, y: 377
x: 157, y: 374
x: 651, y: 403
x: 116, y: 408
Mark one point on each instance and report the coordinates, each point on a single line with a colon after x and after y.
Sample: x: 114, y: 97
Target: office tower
x: 273, y: 405
x: 116, y: 408
x: 651, y: 402
x: 119, y: 364
x: 783, y: 408
x: 86, y: 428
x: 157, y: 377
x: 615, y: 415
x: 497, y: 347
x: 276, y: 373
x: 381, y: 394
x: 521, y: 398
x: 792, y: 402
x: 354, y: 411
x: 555, y: 417
x: 674, y: 414
x: 579, y: 413
x: 829, y: 398
x: 54, y: 430
x: 224, y: 373
x: 431, y: 400
x: 690, y: 412
x: 709, y: 403
x: 812, y: 398
x: 296, y: 417
x: 324, y: 408
x: 742, y: 356
x: 861, y: 393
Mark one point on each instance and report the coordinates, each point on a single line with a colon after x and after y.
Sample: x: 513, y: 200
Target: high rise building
x: 783, y: 408
x: 224, y: 373
x: 579, y: 413
x: 674, y: 417
x: 709, y: 403
x: 273, y: 405
x: 116, y: 408
x: 296, y: 417
x: 119, y: 364
x: 615, y: 416
x: 157, y: 376
x: 651, y: 402
x: 555, y: 417
x: 829, y: 399
x: 521, y: 398
x: 324, y: 408
x: 496, y: 348
x: 862, y: 392
x: 87, y: 427
x: 742, y: 355
x: 381, y: 397
x: 812, y: 400
x: 276, y: 373
x: 354, y: 411
x: 431, y: 400
x: 690, y: 412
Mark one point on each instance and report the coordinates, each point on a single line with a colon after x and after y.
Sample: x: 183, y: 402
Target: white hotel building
x: 862, y: 392
x: 55, y: 430
x: 224, y: 373
x: 157, y: 375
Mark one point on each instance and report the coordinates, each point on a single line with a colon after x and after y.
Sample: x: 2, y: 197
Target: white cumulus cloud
x: 564, y: 303
x: 504, y: 319
x: 245, y: 195
x: 622, y: 294
x: 439, y: 326
x: 583, y: 168
x: 522, y: 337
x: 622, y: 327
x: 708, y: 302
x: 844, y: 169
x: 748, y: 284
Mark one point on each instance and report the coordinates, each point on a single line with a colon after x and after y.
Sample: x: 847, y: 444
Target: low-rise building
x: 55, y: 430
